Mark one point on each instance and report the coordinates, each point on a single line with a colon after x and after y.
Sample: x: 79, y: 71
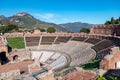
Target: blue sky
x: 63, y: 11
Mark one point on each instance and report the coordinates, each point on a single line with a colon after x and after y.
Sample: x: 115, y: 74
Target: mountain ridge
x: 26, y: 20
x: 76, y: 26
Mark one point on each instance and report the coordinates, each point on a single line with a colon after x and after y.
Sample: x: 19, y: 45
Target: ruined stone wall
x: 109, y: 62
x: 3, y: 45
x: 105, y: 30
x: 33, y: 67
x: 4, y: 48
x: 10, y: 35
x: 36, y: 31
x: 80, y: 75
x: 47, y: 76
x: 9, y: 74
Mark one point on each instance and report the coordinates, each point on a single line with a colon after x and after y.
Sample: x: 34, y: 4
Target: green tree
x: 12, y: 26
x: 8, y: 28
x: 107, y: 22
x: 119, y: 18
x: 42, y: 30
x: 86, y: 30
x: 117, y: 21
x: 112, y: 20
x: 51, y: 30
x: 2, y: 29
x: 31, y: 30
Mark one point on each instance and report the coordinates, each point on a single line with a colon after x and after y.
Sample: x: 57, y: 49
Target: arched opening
x: 15, y: 58
x: 3, y: 58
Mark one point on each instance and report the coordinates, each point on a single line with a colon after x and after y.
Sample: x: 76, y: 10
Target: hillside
x: 3, y: 19
x: 25, y: 20
x: 76, y: 26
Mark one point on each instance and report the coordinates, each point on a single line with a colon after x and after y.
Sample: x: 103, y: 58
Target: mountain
x: 3, y: 19
x: 25, y: 20
x: 76, y: 26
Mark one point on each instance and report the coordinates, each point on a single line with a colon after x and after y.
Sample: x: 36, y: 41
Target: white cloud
x: 51, y: 17
x: 46, y: 16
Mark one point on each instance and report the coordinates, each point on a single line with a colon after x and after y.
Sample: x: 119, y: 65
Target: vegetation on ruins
x: 101, y: 78
x: 113, y: 78
x: 104, y: 78
x: 86, y: 30
x: 51, y: 29
x: 113, y: 21
x: 91, y: 65
x: 16, y: 42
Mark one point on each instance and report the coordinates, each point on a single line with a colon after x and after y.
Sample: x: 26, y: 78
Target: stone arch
x: 15, y: 57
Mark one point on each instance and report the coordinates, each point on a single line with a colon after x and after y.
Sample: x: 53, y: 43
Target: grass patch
x: 16, y: 42
x: 91, y: 65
